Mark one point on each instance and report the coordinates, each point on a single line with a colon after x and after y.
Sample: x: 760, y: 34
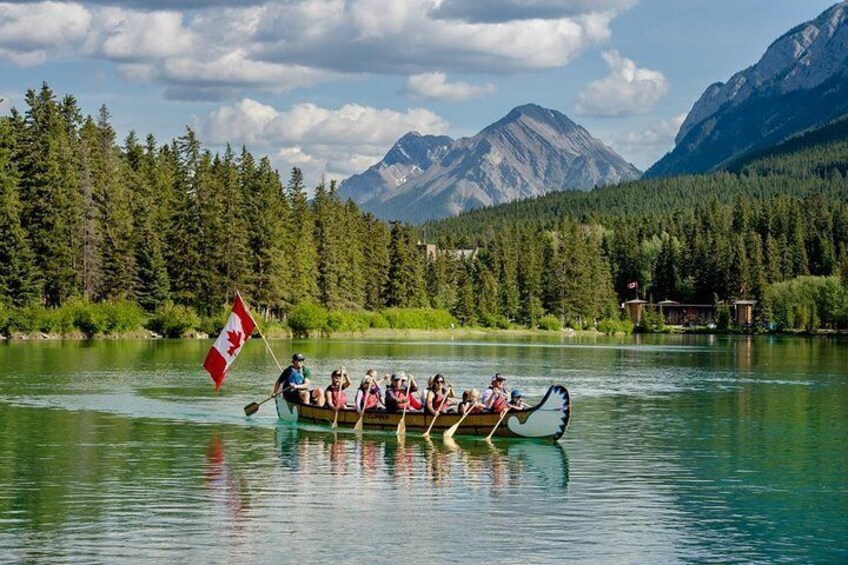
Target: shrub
x: 379, y: 321
x: 173, y: 320
x: 306, y: 318
x: 550, y: 323
x: 348, y: 320
x: 25, y: 320
x: 615, y: 325
x: 495, y: 321
x: 122, y: 316
x: 652, y: 320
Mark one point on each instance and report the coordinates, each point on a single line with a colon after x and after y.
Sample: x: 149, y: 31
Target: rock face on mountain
x: 800, y: 82
x: 531, y: 151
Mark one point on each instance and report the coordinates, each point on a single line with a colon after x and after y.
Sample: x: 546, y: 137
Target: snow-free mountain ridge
x: 801, y: 82
x: 529, y: 152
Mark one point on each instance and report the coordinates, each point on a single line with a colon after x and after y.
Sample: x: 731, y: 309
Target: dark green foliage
x: 173, y: 320
x: 82, y: 217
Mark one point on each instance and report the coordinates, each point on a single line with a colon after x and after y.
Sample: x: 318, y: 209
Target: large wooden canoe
x: 548, y: 419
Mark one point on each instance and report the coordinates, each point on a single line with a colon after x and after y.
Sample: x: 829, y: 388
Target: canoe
x: 548, y: 419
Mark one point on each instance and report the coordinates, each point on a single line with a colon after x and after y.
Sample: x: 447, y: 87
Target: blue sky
x: 329, y: 85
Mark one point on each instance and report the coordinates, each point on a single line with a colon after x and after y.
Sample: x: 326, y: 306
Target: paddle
x: 452, y: 430
x: 401, y: 429
x: 433, y: 421
x: 253, y: 407
x: 335, y: 423
x: 503, y: 415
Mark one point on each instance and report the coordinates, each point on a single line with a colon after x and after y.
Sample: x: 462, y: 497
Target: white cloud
x: 507, y: 10
x: 342, y: 141
x: 215, y: 51
x: 626, y: 91
x: 435, y: 86
x: 646, y: 146
x: 29, y: 31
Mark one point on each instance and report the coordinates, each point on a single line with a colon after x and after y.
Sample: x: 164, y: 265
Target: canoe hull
x: 548, y: 419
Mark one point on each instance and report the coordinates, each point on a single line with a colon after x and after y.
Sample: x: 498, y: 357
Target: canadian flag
x: 633, y: 284
x: 226, y: 348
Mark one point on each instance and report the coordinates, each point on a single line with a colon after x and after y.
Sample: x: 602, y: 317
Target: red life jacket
x: 339, y: 396
x: 414, y: 400
x: 371, y: 400
x: 499, y: 403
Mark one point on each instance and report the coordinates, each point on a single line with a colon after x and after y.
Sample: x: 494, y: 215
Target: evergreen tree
x: 19, y: 284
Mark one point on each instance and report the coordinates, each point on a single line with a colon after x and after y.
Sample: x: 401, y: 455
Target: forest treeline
x: 86, y: 218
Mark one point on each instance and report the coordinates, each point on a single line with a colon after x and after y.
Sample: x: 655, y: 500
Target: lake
x: 680, y: 449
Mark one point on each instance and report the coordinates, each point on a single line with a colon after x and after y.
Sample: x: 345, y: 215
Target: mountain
x: 529, y: 152
x: 407, y: 159
x: 801, y: 82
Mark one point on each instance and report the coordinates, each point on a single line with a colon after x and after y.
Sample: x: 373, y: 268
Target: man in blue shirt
x: 294, y: 380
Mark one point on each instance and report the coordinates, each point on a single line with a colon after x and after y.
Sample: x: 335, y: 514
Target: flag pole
x: 265, y: 341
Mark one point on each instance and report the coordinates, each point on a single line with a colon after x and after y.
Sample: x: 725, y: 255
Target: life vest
x: 339, y: 396
x: 499, y: 403
x: 414, y: 400
x: 371, y: 400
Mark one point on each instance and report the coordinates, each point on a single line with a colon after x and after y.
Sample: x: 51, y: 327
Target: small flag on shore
x: 632, y: 285
x: 226, y: 348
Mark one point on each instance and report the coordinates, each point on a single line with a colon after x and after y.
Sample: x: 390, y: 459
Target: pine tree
x: 19, y: 284
x: 50, y: 192
x: 301, y: 273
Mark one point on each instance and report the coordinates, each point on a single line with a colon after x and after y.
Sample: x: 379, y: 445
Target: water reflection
x: 230, y: 485
x: 431, y: 463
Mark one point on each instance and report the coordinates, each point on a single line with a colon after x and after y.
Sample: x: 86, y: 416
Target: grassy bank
x: 81, y: 319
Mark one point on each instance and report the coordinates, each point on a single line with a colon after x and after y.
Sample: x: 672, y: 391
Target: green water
x: 680, y: 449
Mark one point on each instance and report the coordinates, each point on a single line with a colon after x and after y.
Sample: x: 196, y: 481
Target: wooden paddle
x: 452, y: 430
x: 498, y: 423
x: 335, y: 423
x: 253, y: 407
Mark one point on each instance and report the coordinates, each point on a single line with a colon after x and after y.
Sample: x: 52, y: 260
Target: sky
x: 330, y: 85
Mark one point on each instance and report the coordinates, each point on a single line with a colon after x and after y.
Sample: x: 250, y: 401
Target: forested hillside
x: 87, y: 219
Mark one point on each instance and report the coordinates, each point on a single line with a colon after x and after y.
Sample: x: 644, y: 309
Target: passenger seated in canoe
x: 294, y: 380
x: 495, y: 398
x: 368, y: 396
x: 516, y: 402
x: 400, y: 397
x: 334, y: 394
x: 471, y: 401
x: 439, y: 397
x: 411, y: 390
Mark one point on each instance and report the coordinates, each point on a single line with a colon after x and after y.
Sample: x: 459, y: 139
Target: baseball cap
x: 516, y: 393
x: 298, y: 357
x: 498, y: 377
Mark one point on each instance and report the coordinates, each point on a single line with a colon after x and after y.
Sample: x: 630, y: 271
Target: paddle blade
x: 401, y: 431
x: 251, y: 409
x: 451, y: 430
x: 358, y: 426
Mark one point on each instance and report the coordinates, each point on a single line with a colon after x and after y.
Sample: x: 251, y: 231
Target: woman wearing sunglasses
x: 439, y: 396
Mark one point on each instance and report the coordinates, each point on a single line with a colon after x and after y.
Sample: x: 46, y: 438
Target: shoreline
x: 388, y: 333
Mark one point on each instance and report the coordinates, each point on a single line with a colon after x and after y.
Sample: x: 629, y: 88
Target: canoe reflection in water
x: 306, y: 455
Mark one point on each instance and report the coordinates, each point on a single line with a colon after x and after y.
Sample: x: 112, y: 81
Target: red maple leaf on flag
x: 236, y: 338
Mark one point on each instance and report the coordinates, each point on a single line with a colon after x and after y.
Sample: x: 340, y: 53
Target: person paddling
x: 495, y: 398
x: 439, y: 398
x: 396, y: 398
x: 471, y: 401
x: 294, y: 381
x: 334, y: 395
x: 368, y: 396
